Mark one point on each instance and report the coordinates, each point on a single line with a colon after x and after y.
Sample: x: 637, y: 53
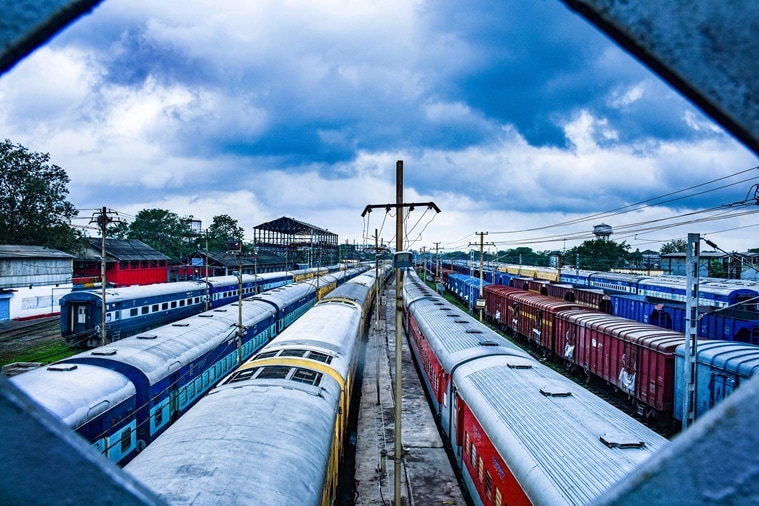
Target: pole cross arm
x: 428, y: 205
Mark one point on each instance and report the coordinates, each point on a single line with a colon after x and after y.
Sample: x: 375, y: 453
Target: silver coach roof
x: 75, y: 393
x: 242, y: 445
x: 166, y: 349
x: 547, y: 439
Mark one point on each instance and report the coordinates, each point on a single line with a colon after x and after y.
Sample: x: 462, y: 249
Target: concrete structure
x: 32, y: 281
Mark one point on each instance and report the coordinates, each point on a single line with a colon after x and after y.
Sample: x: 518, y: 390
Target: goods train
x: 520, y: 433
x: 728, y: 307
x: 134, y: 309
x: 122, y: 395
x: 271, y: 433
x: 634, y: 357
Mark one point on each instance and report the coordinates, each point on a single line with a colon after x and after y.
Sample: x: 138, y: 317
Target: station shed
x: 193, y: 266
x: 297, y: 242
x: 32, y: 280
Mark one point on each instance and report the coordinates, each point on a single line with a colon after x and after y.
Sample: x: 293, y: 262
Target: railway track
x: 37, y: 340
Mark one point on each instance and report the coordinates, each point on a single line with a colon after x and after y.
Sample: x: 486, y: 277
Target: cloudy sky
x: 516, y: 118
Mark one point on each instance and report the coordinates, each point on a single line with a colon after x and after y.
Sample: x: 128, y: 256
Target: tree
x: 599, y: 255
x: 33, y: 205
x: 674, y: 246
x: 164, y: 231
x: 223, y: 231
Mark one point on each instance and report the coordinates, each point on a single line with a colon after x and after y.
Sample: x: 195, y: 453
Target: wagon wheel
x: 586, y: 370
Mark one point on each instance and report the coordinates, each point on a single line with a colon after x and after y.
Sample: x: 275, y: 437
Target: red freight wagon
x: 637, y: 358
x: 535, y: 315
x: 497, y: 303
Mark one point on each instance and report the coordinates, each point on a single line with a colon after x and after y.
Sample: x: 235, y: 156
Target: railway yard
x: 427, y: 476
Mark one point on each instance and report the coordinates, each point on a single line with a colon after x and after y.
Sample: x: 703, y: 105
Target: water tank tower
x: 602, y: 231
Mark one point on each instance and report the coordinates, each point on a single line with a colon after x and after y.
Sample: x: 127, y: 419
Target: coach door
x: 78, y: 318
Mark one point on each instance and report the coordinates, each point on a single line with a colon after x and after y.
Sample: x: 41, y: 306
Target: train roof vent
x: 487, y: 342
x: 459, y: 321
x: 445, y: 309
x: 180, y: 324
x: 555, y: 390
x: 219, y: 310
x: 205, y: 315
x: 61, y: 367
x: 104, y: 353
x: 438, y: 303
x: 473, y: 331
x: 147, y: 336
x: 621, y: 440
x: 521, y: 365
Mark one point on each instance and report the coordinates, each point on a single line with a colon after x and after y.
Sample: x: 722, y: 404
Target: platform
x: 427, y: 476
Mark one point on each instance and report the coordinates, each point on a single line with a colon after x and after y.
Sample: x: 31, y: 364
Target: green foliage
x: 223, y: 231
x: 524, y: 256
x: 674, y: 246
x: 163, y: 231
x: 33, y: 205
x: 599, y: 255
x: 717, y: 269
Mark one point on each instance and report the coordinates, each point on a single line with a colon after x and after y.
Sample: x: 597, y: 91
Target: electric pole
x: 103, y: 218
x: 438, y: 274
x: 480, y: 300
x: 399, y: 207
x: 691, y: 321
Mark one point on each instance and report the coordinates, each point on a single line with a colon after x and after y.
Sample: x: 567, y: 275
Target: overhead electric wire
x: 639, y: 205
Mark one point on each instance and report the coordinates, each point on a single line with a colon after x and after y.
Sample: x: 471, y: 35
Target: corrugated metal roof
x: 127, y: 249
x: 22, y: 251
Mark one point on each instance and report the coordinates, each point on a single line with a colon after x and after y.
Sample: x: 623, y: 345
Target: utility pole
x: 208, y: 290
x: 424, y: 264
x: 103, y: 218
x: 399, y: 206
x: 691, y: 321
x: 439, y: 275
x: 480, y: 300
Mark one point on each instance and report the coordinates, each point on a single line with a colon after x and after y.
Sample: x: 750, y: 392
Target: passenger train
x: 121, y: 396
x: 134, y: 309
x: 636, y: 358
x: 520, y: 433
x: 272, y: 432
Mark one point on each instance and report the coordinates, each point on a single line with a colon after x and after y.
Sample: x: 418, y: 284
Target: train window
x: 473, y: 455
x: 126, y: 439
x: 158, y: 417
x: 498, y: 498
x: 320, y: 357
x: 173, y: 304
x: 266, y: 354
x: 479, y: 469
x: 293, y: 353
x: 488, y: 485
x: 274, y: 372
x: 154, y: 308
x: 307, y: 376
x: 144, y: 310
x: 466, y: 441
x: 165, y: 305
x: 133, y: 311
x: 181, y: 303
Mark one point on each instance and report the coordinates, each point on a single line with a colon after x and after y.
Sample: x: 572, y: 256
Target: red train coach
x: 637, y: 358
